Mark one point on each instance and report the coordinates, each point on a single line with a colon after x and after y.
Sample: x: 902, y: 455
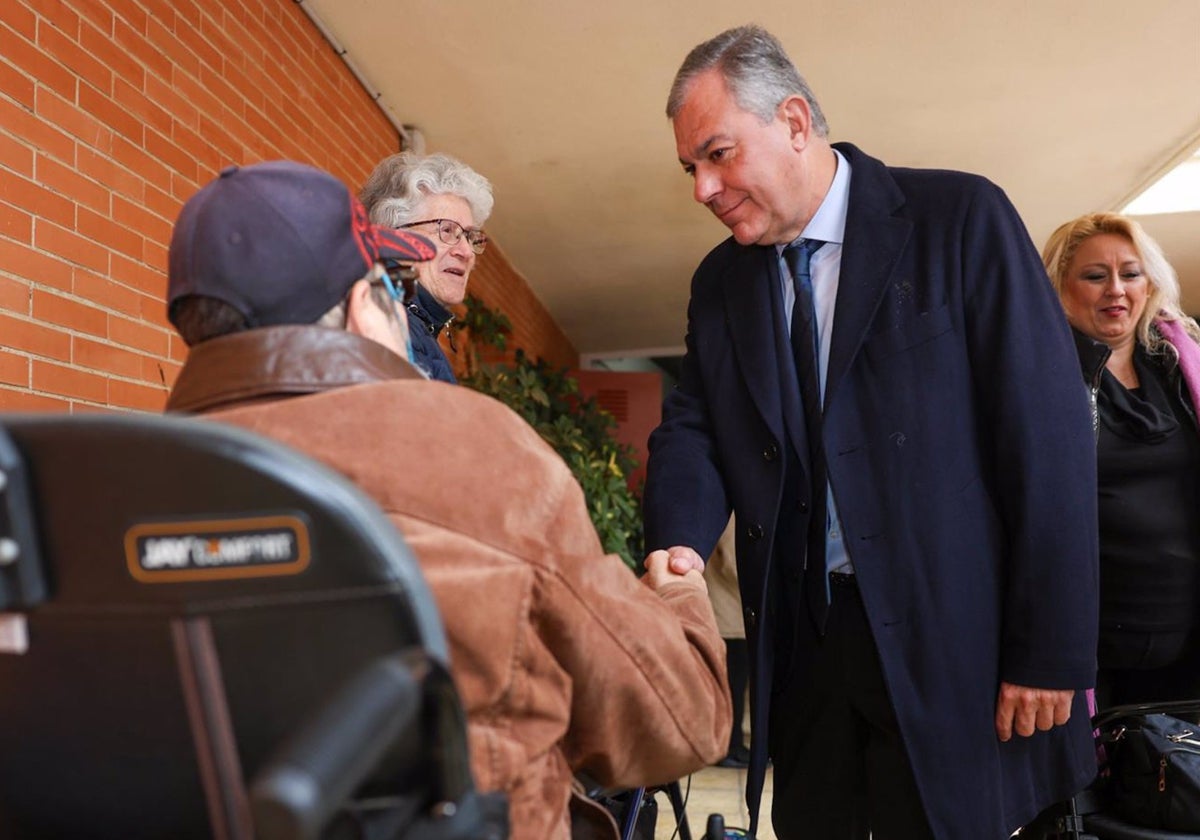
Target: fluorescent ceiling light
x: 1176, y: 192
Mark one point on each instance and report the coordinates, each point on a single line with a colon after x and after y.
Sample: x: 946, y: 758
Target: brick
x: 69, y: 382
x: 208, y: 158
x: 163, y: 38
x: 131, y: 98
x: 50, y: 308
x: 154, y: 312
x: 102, y: 46
x: 98, y: 13
x: 59, y: 112
x: 137, y: 217
x: 20, y: 123
x: 67, y: 182
x: 38, y: 200
x: 134, y: 42
x: 16, y: 224
x: 190, y: 89
x: 23, y: 54
x: 26, y: 262
x: 179, y: 349
x: 169, y: 99
x: 16, y: 85
x: 16, y: 156
x: 193, y: 38
x: 110, y: 113
x: 228, y: 148
x: 160, y: 371
x: 14, y: 369
x: 155, y: 255
x: 130, y: 333
x: 92, y: 408
x: 137, y: 396
x: 68, y: 51
x: 58, y: 15
x: 176, y: 158
x: 106, y: 294
x: 137, y: 275
x: 106, y: 358
x: 35, y: 338
x: 135, y: 158
x: 110, y: 174
x: 162, y: 203
x: 159, y: 11
x: 108, y: 233
x: 70, y: 245
x: 25, y: 401
x: 14, y: 295
x: 20, y: 19
x: 218, y: 86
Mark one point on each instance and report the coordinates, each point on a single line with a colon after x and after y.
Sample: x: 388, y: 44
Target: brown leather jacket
x: 565, y: 661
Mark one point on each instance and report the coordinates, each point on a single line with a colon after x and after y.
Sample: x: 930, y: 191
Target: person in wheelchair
x: 291, y: 303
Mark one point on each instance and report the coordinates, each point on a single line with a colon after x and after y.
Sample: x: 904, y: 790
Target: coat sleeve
x: 1042, y: 452
x: 649, y: 698
x: 685, y: 502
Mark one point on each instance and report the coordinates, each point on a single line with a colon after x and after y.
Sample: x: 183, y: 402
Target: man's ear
x: 798, y: 116
x: 362, y: 315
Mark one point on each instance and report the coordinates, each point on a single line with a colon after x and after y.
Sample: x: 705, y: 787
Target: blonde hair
x: 1163, y: 301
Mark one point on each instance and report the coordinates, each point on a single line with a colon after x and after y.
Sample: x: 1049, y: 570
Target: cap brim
x: 402, y: 245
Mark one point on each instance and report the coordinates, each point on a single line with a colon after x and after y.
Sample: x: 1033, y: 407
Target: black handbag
x: 1154, y: 770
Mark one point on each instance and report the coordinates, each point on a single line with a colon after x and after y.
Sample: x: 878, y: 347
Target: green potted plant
x: 575, y: 426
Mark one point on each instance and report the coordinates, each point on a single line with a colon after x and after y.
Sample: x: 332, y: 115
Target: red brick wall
x: 114, y: 112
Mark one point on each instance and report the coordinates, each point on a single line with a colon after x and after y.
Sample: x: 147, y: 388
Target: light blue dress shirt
x: 828, y: 224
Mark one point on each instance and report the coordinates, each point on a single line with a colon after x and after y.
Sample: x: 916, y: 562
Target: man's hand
x: 661, y: 568
x: 1026, y: 709
x: 683, y: 559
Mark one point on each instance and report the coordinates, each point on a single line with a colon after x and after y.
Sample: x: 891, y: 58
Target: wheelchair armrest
x: 316, y: 772
x: 22, y: 579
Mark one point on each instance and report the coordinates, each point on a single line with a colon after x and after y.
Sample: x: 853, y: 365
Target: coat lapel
x: 754, y: 306
x: 875, y: 238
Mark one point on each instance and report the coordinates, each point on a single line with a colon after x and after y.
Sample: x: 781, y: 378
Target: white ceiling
x: 1070, y: 106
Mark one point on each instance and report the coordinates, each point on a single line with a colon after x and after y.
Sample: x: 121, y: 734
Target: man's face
x: 745, y: 171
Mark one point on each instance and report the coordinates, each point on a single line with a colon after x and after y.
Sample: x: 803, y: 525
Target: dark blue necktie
x: 805, y: 351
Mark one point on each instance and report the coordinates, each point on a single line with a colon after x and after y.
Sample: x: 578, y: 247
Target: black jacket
x: 426, y: 320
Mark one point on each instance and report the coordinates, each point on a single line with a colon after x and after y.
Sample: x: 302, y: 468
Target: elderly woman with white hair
x: 448, y: 202
x: 1141, y: 362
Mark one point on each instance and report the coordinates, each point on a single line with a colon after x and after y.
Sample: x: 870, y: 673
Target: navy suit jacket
x: 960, y: 454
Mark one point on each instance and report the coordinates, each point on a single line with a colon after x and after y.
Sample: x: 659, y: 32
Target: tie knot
x: 798, y: 254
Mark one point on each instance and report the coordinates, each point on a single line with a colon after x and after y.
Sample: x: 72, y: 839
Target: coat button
x: 751, y: 617
x: 802, y: 506
x: 754, y: 531
x: 771, y: 452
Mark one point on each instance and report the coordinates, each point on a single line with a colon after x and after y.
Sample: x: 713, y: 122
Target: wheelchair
x: 1089, y: 814
x: 205, y: 634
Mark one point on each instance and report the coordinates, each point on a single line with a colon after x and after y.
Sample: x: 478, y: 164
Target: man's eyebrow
x: 703, y: 147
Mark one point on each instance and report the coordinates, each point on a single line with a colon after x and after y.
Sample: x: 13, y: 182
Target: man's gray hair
x: 395, y: 190
x: 755, y: 67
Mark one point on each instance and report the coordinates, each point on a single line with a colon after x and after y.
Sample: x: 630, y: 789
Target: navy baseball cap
x: 282, y: 242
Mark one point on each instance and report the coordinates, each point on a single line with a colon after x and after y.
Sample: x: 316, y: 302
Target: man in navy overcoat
x: 935, y: 687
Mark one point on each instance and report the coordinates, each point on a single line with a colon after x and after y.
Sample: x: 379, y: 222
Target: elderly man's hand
x: 1026, y: 709
x: 662, y: 568
x: 683, y: 559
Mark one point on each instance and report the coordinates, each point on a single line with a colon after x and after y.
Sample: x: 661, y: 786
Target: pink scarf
x: 1189, y: 354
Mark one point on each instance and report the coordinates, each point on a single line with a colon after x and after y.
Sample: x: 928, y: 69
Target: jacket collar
x: 1093, y: 356
x: 432, y: 314
x: 277, y: 362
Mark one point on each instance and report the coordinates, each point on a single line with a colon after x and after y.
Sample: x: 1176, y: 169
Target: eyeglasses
x: 450, y: 231
x: 396, y: 276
